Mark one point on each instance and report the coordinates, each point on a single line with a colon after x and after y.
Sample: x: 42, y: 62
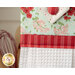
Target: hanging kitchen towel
x: 44, y: 44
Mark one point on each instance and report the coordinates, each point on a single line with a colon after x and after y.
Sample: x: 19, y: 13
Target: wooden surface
x: 17, y: 38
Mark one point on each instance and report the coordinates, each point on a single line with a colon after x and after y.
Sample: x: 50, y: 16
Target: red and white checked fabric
x: 47, y: 41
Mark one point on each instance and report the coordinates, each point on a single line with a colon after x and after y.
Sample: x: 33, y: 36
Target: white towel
x: 45, y: 58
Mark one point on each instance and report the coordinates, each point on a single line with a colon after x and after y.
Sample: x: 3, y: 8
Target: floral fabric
x: 36, y: 21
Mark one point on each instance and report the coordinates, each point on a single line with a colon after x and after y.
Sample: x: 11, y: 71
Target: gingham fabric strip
x: 47, y: 41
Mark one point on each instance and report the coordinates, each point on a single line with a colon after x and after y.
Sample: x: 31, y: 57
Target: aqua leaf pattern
x: 26, y: 26
x: 60, y: 23
x: 22, y: 12
x: 73, y: 33
x: 33, y: 10
x: 37, y: 13
x: 73, y: 19
x: 35, y: 18
x: 23, y: 19
x: 30, y: 31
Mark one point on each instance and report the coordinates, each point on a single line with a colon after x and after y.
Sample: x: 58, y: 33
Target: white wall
x: 9, y: 19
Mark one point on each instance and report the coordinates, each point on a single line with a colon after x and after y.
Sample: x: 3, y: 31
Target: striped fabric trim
x: 47, y: 41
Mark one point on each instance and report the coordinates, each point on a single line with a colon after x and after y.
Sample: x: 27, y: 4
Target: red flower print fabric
x: 27, y: 10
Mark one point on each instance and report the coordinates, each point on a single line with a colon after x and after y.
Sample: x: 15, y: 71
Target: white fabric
x: 45, y: 58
